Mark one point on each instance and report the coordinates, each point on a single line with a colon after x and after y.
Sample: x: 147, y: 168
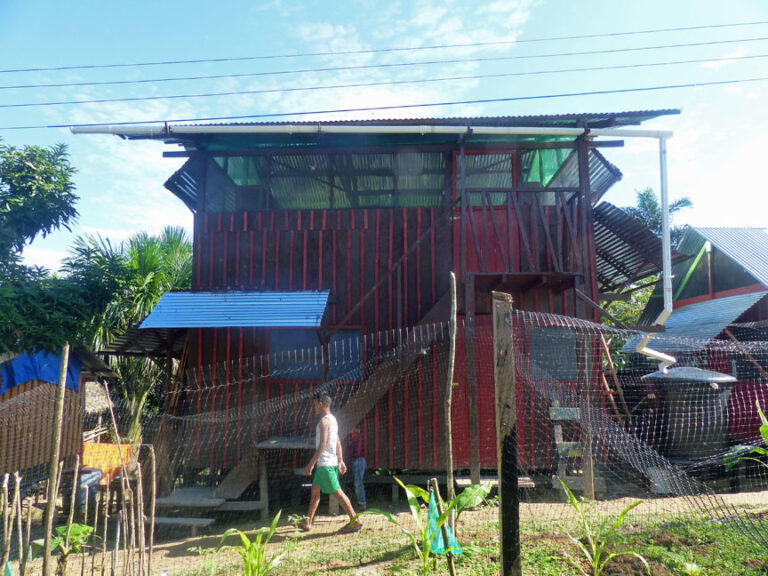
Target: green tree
x: 37, y: 196
x: 648, y: 212
x: 136, y: 273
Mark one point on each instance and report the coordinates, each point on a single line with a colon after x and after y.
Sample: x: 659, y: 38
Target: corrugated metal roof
x: 690, y: 327
x: 575, y: 120
x: 245, y: 309
x: 746, y: 246
x: 625, y: 249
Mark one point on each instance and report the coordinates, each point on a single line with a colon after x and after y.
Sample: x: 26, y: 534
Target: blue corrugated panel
x: 690, y: 327
x: 238, y: 309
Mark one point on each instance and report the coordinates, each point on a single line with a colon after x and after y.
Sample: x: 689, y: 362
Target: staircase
x: 223, y: 498
x: 387, y: 375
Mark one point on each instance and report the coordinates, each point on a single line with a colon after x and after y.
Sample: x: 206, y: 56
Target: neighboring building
x: 720, y: 296
x: 28, y: 385
x: 355, y: 226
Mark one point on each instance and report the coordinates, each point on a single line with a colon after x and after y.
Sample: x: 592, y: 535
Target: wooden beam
x: 471, y: 366
x: 595, y: 306
x: 506, y: 434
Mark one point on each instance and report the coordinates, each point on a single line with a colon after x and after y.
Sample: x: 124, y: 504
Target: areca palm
x: 138, y: 272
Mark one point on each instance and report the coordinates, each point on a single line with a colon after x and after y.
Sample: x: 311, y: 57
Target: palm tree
x: 136, y: 274
x: 648, y: 212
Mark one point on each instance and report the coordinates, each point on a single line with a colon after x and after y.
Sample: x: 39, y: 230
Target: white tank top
x: 329, y: 456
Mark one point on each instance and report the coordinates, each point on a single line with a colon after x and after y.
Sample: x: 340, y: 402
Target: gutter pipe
x: 167, y: 130
x: 665, y: 361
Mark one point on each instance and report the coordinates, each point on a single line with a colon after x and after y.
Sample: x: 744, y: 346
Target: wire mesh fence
x: 227, y: 446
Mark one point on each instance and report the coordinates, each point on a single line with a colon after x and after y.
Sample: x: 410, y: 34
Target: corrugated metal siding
x: 245, y: 309
x: 624, y: 249
x: 689, y: 327
x: 746, y: 246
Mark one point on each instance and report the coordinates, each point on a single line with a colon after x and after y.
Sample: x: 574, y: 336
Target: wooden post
x: 471, y: 367
x: 448, y: 399
x: 587, y: 402
x: 443, y: 528
x: 506, y: 434
x: 53, y: 464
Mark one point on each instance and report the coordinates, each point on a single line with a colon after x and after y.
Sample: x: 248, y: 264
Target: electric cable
x: 381, y: 83
x: 401, y: 106
x: 383, y: 50
x: 393, y: 65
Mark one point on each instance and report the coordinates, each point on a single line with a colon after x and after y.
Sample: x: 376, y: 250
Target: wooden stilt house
x: 367, y: 219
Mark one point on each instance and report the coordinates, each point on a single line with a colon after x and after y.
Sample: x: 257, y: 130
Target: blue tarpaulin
x: 42, y: 366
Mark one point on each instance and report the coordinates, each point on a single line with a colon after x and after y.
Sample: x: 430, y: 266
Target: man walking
x: 327, y: 462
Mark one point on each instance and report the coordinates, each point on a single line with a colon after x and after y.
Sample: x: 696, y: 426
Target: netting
x: 225, y: 446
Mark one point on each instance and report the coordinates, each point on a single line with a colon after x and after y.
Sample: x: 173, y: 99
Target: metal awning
x: 238, y: 309
x: 690, y: 328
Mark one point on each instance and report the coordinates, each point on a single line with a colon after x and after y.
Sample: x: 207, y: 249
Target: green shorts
x: 327, y: 477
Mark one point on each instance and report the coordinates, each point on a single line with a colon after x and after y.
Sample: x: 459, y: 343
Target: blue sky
x: 713, y: 157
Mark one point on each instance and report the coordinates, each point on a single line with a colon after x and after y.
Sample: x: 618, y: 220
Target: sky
x: 281, y: 57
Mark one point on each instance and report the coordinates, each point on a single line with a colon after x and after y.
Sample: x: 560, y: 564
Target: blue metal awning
x: 690, y: 327
x: 238, y: 309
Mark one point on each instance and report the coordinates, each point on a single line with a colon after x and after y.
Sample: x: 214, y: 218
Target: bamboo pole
x: 443, y: 527
x: 140, y: 519
x: 27, y: 536
x: 9, y: 517
x: 451, y: 492
x: 50, y: 508
x: 614, y: 375
x: 5, y: 513
x: 152, y: 500
x: 104, y: 537
x: 19, y: 526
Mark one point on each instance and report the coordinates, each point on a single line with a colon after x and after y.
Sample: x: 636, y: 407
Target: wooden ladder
x: 568, y: 449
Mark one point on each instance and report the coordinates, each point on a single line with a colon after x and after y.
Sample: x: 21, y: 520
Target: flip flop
x: 352, y: 527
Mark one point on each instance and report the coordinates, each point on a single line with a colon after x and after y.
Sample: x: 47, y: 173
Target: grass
x: 671, y: 544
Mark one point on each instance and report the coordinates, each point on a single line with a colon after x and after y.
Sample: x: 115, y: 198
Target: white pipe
x: 149, y: 131
x: 666, y: 248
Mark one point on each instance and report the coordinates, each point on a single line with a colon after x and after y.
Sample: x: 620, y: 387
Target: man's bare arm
x: 320, y: 449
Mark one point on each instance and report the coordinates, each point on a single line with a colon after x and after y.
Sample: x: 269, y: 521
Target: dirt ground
x: 324, y: 549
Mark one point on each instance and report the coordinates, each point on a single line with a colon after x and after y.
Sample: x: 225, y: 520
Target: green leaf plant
x: 70, y: 539
x: 420, y: 538
x: 254, y: 554
x: 598, y: 539
x: 741, y: 452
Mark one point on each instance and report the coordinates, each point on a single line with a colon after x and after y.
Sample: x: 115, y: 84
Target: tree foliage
x: 135, y: 274
x: 648, y: 212
x: 37, y: 195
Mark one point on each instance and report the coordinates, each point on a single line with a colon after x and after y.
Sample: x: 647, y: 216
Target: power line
x: 382, y: 50
x: 392, y: 65
x: 382, y: 83
x: 402, y: 106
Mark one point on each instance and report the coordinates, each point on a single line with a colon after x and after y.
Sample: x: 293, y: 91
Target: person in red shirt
x: 357, y: 458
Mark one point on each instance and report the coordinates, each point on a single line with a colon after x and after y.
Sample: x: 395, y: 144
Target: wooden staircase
x: 222, y: 498
x: 387, y: 375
